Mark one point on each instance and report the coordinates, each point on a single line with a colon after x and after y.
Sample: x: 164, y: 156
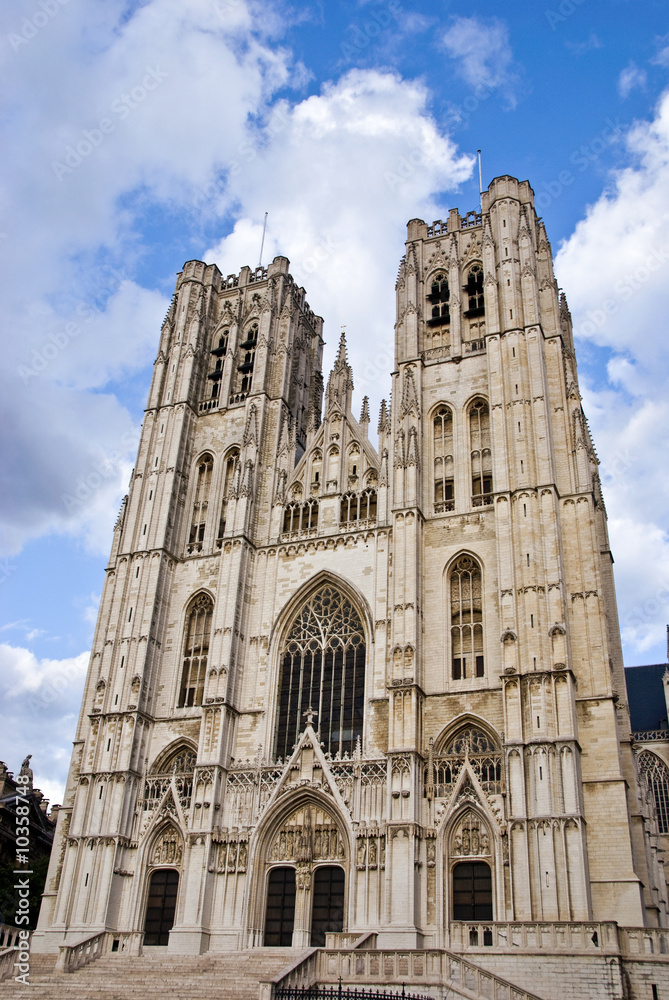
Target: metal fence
x: 342, y: 993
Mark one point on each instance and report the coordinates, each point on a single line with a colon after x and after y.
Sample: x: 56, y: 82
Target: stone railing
x: 301, y: 973
x: 636, y: 941
x: 651, y: 735
x: 9, y: 944
x: 350, y: 939
x: 414, y: 968
x: 530, y: 936
x: 74, y: 956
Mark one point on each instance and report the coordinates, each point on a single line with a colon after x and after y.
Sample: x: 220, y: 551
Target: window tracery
x: 196, y: 650
x: 216, y: 366
x: 205, y: 471
x: 466, y: 609
x: 656, y: 773
x: 323, y: 668
x: 300, y: 518
x: 247, y: 354
x: 474, y: 290
x: 229, y: 486
x: 439, y: 298
x: 444, y: 496
x: 444, y: 766
x: 358, y: 507
x: 480, y: 453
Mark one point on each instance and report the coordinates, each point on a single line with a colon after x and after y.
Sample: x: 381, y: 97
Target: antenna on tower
x: 262, y: 242
x: 480, y: 181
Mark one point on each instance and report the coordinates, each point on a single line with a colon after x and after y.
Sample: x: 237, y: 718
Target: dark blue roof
x: 645, y: 696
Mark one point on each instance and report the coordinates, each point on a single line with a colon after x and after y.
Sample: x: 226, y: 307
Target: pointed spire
x: 384, y: 419
x: 340, y: 382
x: 364, y: 414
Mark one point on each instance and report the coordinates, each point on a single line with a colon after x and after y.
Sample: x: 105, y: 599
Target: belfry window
x: 323, y: 669
x: 444, y: 497
x: 474, y: 291
x: 205, y: 470
x: 247, y: 355
x: 196, y: 651
x: 439, y: 298
x: 481, y: 454
x: 231, y: 466
x: 656, y: 773
x: 299, y: 517
x: 466, y: 607
x: 358, y: 507
x: 218, y: 352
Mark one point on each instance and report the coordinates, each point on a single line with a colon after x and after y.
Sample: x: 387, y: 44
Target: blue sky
x: 137, y: 136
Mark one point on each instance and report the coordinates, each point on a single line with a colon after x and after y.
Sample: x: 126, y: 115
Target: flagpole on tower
x: 262, y: 242
x: 480, y: 181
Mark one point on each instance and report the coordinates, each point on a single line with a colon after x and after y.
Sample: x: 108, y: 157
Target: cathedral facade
x: 338, y: 688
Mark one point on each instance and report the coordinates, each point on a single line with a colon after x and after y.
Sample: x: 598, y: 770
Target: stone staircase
x: 155, y: 974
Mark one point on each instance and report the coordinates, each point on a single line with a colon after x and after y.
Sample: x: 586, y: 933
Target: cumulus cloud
x: 615, y: 267
x: 631, y: 78
x: 482, y: 53
x: 110, y: 139
x: 41, y: 701
x: 340, y: 178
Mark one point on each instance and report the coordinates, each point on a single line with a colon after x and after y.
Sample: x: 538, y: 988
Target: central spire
x: 340, y: 383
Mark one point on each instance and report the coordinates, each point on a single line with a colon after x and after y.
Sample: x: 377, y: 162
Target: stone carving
x: 310, y: 834
x: 470, y: 837
x: 168, y: 849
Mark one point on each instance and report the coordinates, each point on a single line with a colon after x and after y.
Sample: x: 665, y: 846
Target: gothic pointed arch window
x: 466, y: 615
x: 474, y: 291
x: 656, y: 773
x: 323, y: 669
x: 439, y: 298
x: 196, y: 650
x: 480, y: 453
x: 218, y: 352
x: 230, y: 475
x: 442, y: 426
x: 205, y: 470
x: 247, y: 356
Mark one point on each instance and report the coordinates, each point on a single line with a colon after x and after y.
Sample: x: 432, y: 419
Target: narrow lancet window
x: 231, y: 467
x: 205, y: 470
x: 474, y: 290
x: 481, y: 453
x: 196, y: 651
x: 444, y: 495
x: 466, y: 607
x: 439, y: 298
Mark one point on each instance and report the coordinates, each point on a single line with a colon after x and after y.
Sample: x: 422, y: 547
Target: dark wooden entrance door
x: 280, y: 915
x: 161, y: 906
x: 472, y: 891
x: 327, y: 913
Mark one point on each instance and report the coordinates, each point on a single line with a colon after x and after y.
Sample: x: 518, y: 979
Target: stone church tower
x: 339, y: 689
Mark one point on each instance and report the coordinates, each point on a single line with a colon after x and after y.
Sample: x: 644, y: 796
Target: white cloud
x: 91, y: 144
x: 631, y: 78
x: 615, y: 268
x: 340, y: 178
x: 482, y: 53
x: 40, y: 704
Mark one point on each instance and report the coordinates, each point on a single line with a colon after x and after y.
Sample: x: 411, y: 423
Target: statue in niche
x: 242, y: 858
x: 361, y: 852
x: 372, y: 851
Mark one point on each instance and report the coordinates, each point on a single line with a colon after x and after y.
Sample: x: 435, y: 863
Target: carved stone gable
x: 310, y: 834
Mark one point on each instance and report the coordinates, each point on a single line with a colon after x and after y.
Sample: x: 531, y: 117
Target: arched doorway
x: 280, y: 912
x: 327, y: 913
x: 160, y: 906
x: 472, y: 891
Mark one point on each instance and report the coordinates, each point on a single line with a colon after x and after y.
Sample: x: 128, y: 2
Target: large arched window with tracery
x: 466, y: 619
x: 481, y: 453
x: 656, y: 774
x: 196, y: 650
x: 323, y: 669
x: 205, y: 469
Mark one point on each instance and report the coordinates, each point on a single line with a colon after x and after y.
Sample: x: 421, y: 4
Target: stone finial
x: 364, y: 414
x: 340, y: 383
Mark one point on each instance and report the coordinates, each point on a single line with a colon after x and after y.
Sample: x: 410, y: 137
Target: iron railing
x: 341, y: 992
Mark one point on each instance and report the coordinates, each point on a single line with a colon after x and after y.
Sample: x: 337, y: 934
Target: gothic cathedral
x: 338, y: 688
